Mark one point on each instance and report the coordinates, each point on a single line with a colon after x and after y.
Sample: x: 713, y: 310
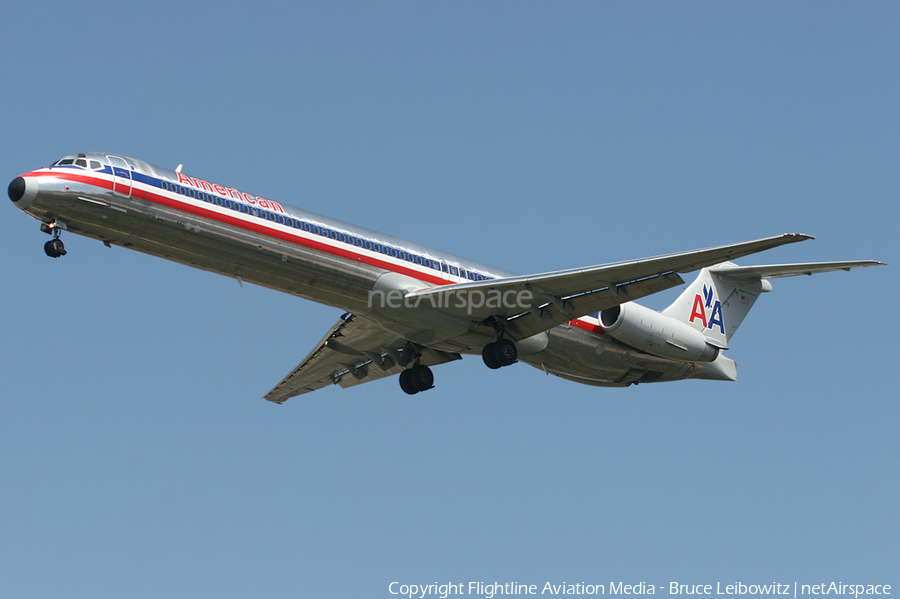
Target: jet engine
x: 657, y: 334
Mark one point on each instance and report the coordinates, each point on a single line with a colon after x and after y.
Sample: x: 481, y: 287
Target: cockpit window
x: 79, y: 160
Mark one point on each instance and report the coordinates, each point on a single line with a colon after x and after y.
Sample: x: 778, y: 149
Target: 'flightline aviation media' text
x: 490, y: 590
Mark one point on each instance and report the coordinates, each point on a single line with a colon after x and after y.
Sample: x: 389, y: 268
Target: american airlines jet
x: 409, y: 307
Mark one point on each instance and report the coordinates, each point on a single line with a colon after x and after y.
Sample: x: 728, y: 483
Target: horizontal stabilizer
x: 777, y: 271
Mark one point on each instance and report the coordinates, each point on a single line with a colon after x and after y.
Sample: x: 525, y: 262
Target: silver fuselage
x: 126, y: 202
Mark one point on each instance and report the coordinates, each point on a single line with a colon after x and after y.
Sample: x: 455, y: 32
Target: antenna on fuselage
x: 178, y: 168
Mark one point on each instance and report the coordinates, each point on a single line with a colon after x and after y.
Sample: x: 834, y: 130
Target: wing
x: 354, y: 351
x: 531, y: 304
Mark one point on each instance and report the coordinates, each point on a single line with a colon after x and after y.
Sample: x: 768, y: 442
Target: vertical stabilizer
x: 715, y: 304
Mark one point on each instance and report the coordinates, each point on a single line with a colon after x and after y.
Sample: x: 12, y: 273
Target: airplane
x: 408, y: 307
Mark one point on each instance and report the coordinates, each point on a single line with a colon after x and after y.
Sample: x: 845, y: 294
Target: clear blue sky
x: 136, y: 456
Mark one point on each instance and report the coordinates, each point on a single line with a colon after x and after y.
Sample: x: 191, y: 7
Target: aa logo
x: 708, y: 310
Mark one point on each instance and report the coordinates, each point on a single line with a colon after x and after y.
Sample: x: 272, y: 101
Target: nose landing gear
x: 53, y: 248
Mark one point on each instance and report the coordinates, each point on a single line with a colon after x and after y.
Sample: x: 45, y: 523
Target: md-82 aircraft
x: 407, y: 306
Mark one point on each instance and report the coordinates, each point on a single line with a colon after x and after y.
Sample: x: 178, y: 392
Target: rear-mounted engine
x: 657, y: 334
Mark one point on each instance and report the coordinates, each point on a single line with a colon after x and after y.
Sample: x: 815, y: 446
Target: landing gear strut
x: 502, y: 352
x: 415, y: 379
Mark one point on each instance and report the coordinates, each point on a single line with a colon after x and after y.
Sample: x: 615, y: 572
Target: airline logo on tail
x: 708, y: 309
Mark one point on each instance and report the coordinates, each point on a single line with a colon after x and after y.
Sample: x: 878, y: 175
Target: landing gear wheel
x: 505, y: 352
x: 421, y: 377
x: 415, y: 379
x: 487, y: 354
x: 502, y: 352
x: 406, y: 384
x: 55, y: 248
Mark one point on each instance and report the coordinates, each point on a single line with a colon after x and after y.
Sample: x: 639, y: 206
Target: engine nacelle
x: 657, y: 334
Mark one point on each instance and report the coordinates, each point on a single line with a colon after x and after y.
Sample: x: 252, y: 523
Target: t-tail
x: 721, y: 296
x: 717, y: 302
x: 699, y: 325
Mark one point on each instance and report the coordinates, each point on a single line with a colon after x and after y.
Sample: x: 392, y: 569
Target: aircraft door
x: 122, y: 181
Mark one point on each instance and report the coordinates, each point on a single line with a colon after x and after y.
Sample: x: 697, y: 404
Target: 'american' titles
x: 230, y: 192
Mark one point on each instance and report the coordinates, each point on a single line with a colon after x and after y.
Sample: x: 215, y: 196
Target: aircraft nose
x: 16, y: 189
x: 22, y: 191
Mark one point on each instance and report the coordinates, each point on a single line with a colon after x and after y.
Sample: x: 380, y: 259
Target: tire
x: 55, y: 248
x: 505, y: 352
x: 406, y: 383
x: 421, y: 377
x: 487, y: 354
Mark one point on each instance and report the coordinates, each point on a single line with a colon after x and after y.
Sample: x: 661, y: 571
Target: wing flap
x: 354, y: 351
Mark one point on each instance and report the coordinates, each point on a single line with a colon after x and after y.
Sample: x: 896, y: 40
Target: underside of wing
x: 528, y: 305
x: 354, y: 351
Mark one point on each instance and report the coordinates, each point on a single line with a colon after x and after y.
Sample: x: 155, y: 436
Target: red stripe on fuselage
x: 268, y: 231
x: 250, y: 225
x: 591, y: 328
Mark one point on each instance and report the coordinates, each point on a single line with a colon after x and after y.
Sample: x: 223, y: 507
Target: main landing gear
x: 501, y: 352
x: 415, y: 379
x: 419, y: 377
x: 53, y: 248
